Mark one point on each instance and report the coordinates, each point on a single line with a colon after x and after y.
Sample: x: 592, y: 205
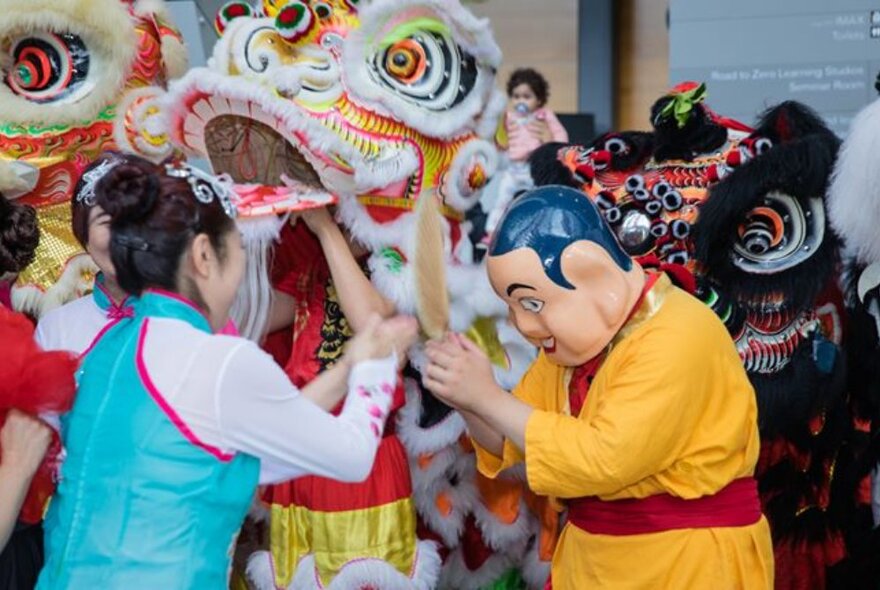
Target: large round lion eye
x: 47, y: 67
x: 779, y: 233
x: 427, y: 68
x: 406, y: 61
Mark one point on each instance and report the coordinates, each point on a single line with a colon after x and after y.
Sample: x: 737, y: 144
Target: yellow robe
x: 670, y: 411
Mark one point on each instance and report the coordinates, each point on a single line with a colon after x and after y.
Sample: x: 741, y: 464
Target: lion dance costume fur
x: 389, y: 109
x: 744, y: 210
x: 65, y: 68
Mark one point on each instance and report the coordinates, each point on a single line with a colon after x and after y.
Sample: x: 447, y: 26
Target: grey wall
x: 596, y: 64
x: 755, y: 53
x: 195, y: 19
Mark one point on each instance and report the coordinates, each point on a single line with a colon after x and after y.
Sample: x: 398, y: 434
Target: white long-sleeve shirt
x: 71, y: 327
x: 233, y: 397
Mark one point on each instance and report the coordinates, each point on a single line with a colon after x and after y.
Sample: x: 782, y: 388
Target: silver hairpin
x: 91, y: 178
x: 206, y: 187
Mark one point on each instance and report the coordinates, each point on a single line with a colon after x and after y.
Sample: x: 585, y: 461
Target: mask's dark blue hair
x: 548, y: 220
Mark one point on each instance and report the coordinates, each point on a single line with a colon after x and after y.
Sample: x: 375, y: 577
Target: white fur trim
x: 487, y: 126
x: 259, y: 513
x: 145, y: 8
x: 108, y: 31
x: 374, y: 573
x: 427, y: 481
x: 504, y: 537
x: 445, y: 465
x: 457, y: 576
x: 70, y: 285
x: 134, y: 110
x: 473, y: 34
x: 534, y: 571
x: 417, y: 440
x: 253, y: 304
x: 462, y: 498
x: 395, y: 284
x: 478, y: 152
x: 854, y: 196
x: 356, y: 574
x: 174, y: 56
x: 260, y: 571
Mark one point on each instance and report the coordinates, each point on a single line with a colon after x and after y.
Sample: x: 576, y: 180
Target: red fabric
x: 474, y: 549
x: 300, y: 270
x: 33, y: 381
x: 803, y: 565
x: 678, y: 274
x: 297, y: 247
x: 389, y: 481
x: 579, y: 386
x: 734, y: 506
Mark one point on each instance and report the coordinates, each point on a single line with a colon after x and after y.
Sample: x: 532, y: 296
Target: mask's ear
x: 174, y: 56
x: 587, y: 265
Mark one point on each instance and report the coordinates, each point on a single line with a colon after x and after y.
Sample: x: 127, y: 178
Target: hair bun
x: 19, y: 236
x: 128, y: 191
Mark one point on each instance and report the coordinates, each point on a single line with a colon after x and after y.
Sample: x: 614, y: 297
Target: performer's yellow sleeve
x: 645, y: 408
x: 532, y: 390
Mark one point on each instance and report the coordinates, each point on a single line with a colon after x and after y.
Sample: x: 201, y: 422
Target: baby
x: 529, y: 124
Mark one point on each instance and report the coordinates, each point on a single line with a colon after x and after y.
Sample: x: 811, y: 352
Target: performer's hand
x: 403, y: 332
x: 318, y: 220
x: 459, y: 372
x: 23, y: 442
x: 380, y: 338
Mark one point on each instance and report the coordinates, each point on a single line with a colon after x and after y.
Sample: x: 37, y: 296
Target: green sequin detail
x: 393, y: 260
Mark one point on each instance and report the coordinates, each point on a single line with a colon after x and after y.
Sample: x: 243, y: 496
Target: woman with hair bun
x: 19, y: 236
x: 75, y: 325
x: 174, y: 426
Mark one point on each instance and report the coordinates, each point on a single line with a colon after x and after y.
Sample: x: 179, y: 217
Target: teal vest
x: 141, y: 503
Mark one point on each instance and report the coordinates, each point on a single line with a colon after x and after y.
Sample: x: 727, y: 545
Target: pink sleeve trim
x: 165, y: 406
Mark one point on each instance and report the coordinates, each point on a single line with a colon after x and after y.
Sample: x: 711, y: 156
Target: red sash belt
x: 736, y: 505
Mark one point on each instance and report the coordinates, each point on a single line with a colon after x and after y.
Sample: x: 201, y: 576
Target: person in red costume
x: 323, y: 292
x: 31, y: 382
